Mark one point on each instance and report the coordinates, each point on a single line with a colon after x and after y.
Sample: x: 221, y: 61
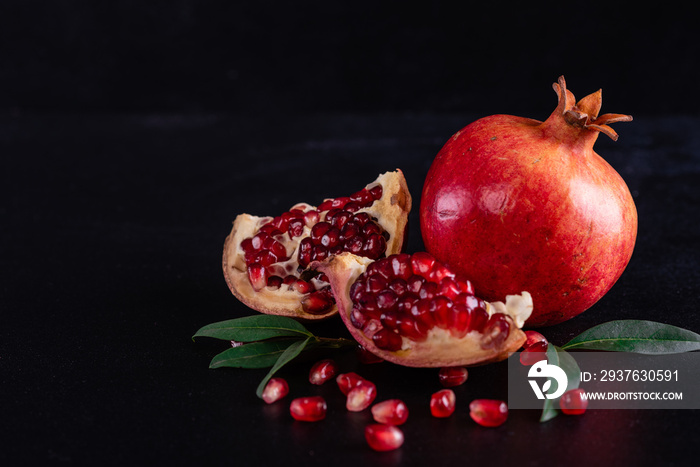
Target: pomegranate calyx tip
x: 584, y: 113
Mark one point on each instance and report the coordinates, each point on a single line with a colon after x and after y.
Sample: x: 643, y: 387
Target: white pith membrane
x: 390, y: 212
x: 441, y: 348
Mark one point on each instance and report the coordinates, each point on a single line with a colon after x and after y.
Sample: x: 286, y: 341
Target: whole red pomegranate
x: 521, y: 205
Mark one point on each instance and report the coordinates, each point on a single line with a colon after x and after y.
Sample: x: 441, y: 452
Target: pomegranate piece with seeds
x: 413, y: 310
x: 322, y: 371
x: 443, y: 403
x: 275, y: 389
x: 488, y: 412
x: 308, y: 409
x: 382, y: 437
x: 390, y: 412
x: 266, y: 259
x: 453, y: 376
x: 574, y: 402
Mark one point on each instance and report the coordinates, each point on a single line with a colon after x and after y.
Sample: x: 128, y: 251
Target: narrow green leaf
x: 549, y: 410
x: 288, y: 355
x: 254, y: 328
x: 560, y: 357
x: 638, y: 336
x: 261, y: 354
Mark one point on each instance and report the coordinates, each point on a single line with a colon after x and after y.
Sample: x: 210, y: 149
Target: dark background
x: 132, y: 133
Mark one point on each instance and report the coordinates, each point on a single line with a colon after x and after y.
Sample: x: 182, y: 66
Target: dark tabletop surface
x: 113, y: 218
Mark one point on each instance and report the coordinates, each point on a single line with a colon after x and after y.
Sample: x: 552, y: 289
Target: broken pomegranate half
x: 266, y: 259
x: 415, y: 311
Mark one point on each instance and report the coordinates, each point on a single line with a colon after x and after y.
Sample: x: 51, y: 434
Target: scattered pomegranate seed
x: 442, y: 403
x: 453, y: 376
x: 347, y: 381
x: 533, y: 337
x: 322, y: 371
x: 383, y: 437
x: 534, y: 353
x: 390, y: 412
x: 488, y: 412
x: 275, y: 389
x: 308, y: 409
x: 574, y: 402
x: 361, y: 396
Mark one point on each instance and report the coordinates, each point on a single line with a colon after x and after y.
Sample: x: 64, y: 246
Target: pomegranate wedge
x: 415, y: 311
x: 266, y: 259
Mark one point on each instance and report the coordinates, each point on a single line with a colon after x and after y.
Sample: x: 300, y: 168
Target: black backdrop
x: 131, y: 134
x: 271, y: 57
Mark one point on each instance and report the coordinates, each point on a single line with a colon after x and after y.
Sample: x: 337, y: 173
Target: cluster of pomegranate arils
x: 573, y: 401
x: 408, y: 295
x: 335, y: 227
x: 383, y: 434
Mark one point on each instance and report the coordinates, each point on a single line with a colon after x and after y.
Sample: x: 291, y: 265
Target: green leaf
x: 638, y: 336
x: 254, y: 328
x: 549, y: 410
x: 261, y: 354
x: 560, y: 357
x: 288, y: 355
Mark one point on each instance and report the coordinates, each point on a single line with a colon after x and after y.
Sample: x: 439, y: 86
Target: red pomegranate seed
x: 386, y: 339
x: 308, y: 409
x: 422, y: 263
x: 317, y: 302
x: 322, y: 371
x: 390, y: 412
x: 275, y: 389
x: 301, y: 286
x: 311, y: 218
x: 533, y: 337
x: 496, y: 331
x: 257, y: 275
x: 442, y: 403
x: 534, y: 353
x: 488, y: 412
x: 401, y: 266
x: 296, y: 227
x: 574, y: 402
x: 453, y: 376
x: 376, y: 192
x: 347, y: 381
x: 383, y: 437
x: 361, y: 396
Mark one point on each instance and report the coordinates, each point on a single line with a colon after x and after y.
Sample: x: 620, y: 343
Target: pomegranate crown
x: 584, y: 113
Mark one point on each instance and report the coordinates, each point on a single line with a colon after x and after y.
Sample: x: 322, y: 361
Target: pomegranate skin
x: 517, y: 205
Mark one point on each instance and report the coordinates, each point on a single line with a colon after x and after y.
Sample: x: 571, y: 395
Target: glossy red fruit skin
x: 533, y: 208
x: 572, y: 402
x: 383, y: 437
